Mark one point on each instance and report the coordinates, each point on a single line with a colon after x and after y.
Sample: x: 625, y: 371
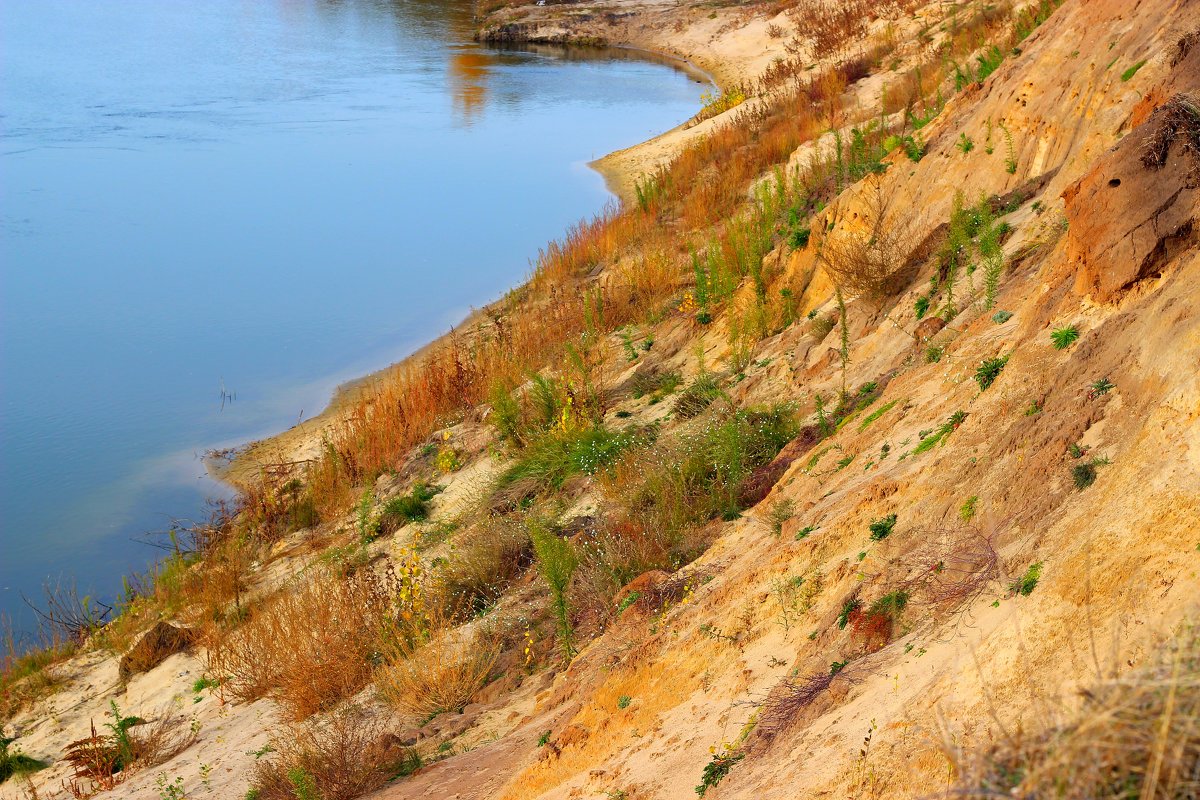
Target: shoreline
x: 242, y: 465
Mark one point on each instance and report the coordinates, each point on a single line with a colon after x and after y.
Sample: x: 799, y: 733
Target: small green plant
x: 1010, y: 162
x: 891, y: 605
x: 921, y: 306
x: 798, y: 237
x: 557, y: 562
x: 1129, y: 73
x: 804, y: 532
x: 930, y: 439
x: 934, y: 353
x: 1064, y: 337
x: 1100, y: 388
x: 368, y: 527
x: 409, y: 762
x: 1035, y: 407
x: 882, y: 528
x: 14, y: 763
x: 1084, y: 474
x: 411, y: 507
x: 631, y: 354
x: 169, y: 790
x: 623, y: 701
x: 966, y: 511
x: 697, y: 396
x: 1075, y: 450
x: 544, y: 739
x: 627, y: 601
x: 848, y: 608
x: 988, y: 370
x: 964, y: 144
x: 204, y: 682
x: 837, y: 666
x: 1001, y: 317
x: 717, y: 768
x: 121, y: 741
x: 1025, y: 585
x: 820, y: 326
x: 304, y: 786
x: 779, y: 513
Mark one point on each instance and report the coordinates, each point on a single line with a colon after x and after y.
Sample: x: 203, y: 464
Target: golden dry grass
x: 440, y: 674
x: 310, y: 646
x: 1134, y: 737
x: 335, y: 758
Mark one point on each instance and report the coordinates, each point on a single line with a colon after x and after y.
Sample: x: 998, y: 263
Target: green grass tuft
x: 1064, y: 337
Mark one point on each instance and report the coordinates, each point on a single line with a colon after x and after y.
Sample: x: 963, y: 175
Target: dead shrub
x: 309, y: 646
x: 334, y: 758
x: 442, y: 673
x: 866, y: 252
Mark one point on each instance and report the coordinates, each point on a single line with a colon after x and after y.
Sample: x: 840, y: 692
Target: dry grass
x: 442, y: 673
x: 310, y: 646
x: 25, y: 675
x: 1134, y: 737
x: 335, y: 758
x: 483, y: 565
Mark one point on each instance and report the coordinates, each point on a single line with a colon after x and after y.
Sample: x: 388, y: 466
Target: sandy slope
x: 970, y: 662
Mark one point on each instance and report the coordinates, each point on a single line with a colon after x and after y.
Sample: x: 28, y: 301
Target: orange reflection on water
x: 469, y: 71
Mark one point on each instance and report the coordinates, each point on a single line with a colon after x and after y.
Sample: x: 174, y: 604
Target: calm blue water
x: 263, y: 196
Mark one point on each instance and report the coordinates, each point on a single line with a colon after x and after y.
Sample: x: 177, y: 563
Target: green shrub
x: 411, y: 507
x: 14, y: 763
x: 890, y: 605
x: 1064, y: 337
x: 557, y: 561
x: 1025, y: 585
x: 1084, y: 474
x: 988, y: 370
x: 882, y: 528
x: 716, y: 769
x: 964, y: 144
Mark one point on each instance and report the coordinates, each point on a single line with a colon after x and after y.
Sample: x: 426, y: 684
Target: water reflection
x: 468, y: 72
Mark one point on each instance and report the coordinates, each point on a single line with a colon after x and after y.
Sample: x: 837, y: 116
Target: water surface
x: 255, y: 199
